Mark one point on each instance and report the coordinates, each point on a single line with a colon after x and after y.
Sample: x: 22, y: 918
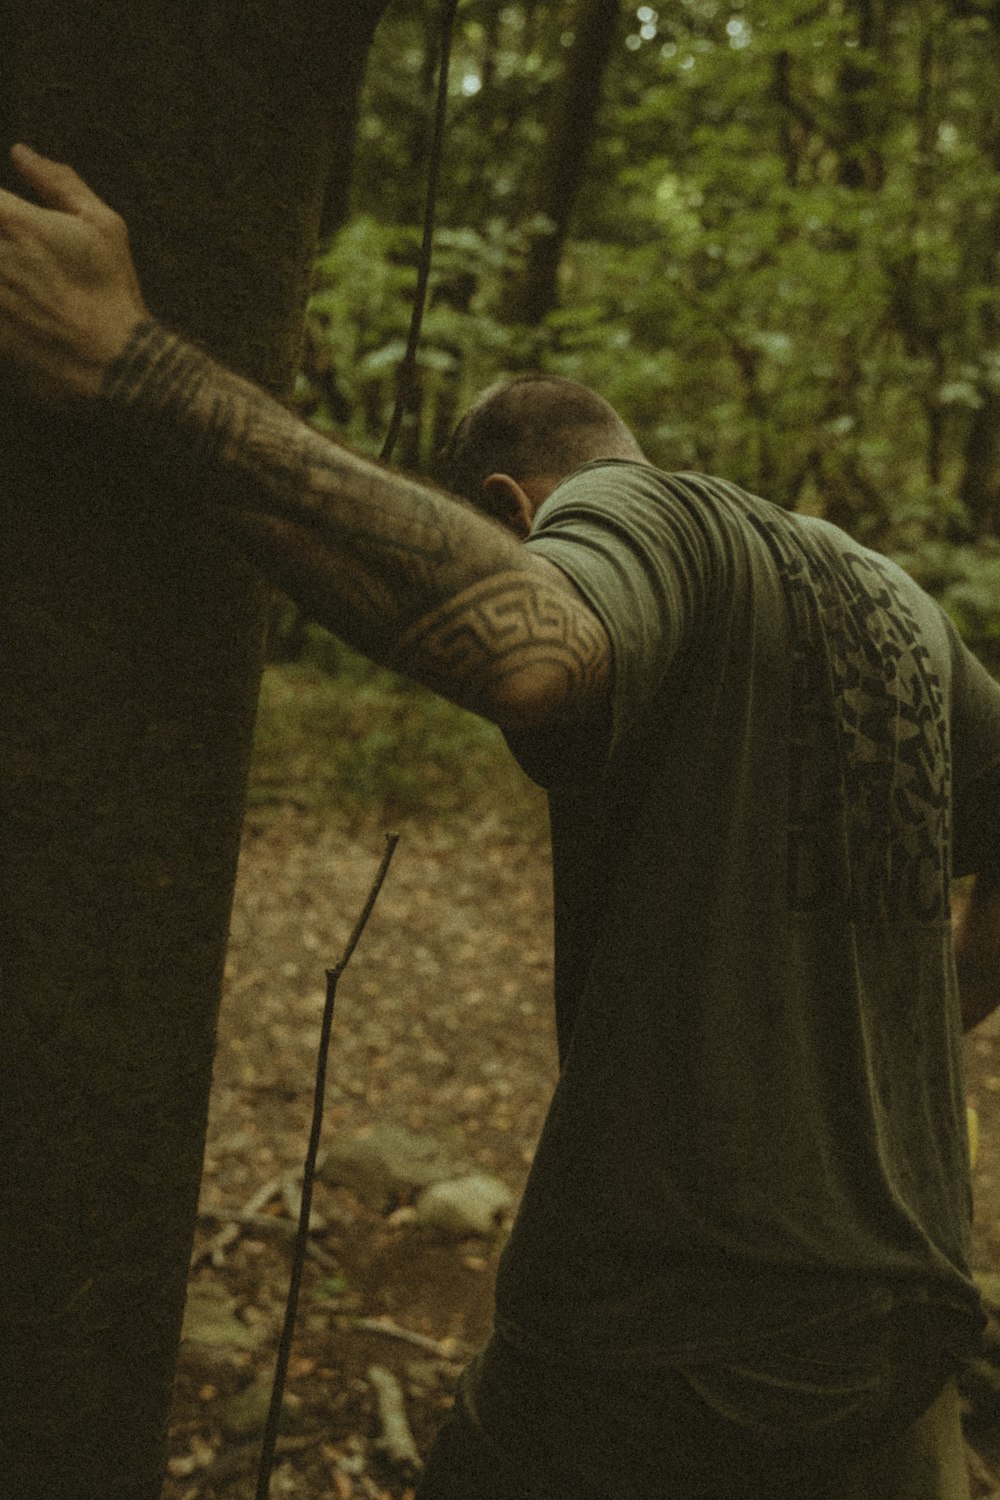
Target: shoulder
x: 610, y: 482
x: 695, y: 522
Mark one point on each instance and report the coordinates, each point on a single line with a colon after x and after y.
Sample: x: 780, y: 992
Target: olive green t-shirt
x: 760, y: 1112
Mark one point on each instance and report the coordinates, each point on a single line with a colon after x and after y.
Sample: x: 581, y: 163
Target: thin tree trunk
x: 129, y: 650
x: 980, y: 484
x: 861, y: 104
x: 346, y: 117
x: 576, y: 101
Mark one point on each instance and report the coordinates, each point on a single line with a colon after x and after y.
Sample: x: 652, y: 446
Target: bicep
x: 559, y: 674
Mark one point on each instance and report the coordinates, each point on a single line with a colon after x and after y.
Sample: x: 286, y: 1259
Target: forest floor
x: 443, y: 1027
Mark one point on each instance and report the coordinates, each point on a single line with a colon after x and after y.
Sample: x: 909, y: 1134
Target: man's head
x: 521, y: 438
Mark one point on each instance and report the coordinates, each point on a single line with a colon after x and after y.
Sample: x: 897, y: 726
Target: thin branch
x: 396, y: 1442
x: 238, y: 1220
x: 404, y: 379
x: 308, y: 1179
x: 390, y: 1330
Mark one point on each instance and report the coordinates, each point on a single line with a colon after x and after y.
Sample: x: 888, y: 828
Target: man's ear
x: 508, y: 503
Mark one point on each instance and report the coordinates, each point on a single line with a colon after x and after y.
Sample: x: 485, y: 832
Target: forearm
x: 977, y: 951
x: 401, y: 571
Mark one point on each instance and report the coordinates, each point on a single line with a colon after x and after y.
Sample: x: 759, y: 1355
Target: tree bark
x: 576, y: 101
x: 980, y: 483
x: 129, y: 657
x: 861, y: 103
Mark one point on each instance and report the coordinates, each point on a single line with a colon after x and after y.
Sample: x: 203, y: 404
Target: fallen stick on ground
x: 396, y: 1442
x: 242, y: 1220
x: 239, y: 1460
x: 445, y: 1350
x: 214, y: 1250
x: 263, y: 1196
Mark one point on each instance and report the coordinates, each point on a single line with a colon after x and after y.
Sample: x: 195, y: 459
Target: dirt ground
x: 443, y: 1026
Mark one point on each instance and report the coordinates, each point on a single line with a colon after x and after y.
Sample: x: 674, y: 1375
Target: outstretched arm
x: 403, y: 572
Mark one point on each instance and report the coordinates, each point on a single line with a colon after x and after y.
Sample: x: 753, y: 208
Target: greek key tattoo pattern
x: 493, y: 630
x: 405, y: 573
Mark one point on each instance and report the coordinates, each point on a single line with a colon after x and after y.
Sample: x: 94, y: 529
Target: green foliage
x: 966, y: 580
x: 335, y: 731
x: 365, y: 284
x: 783, y: 266
x: 336, y: 1291
x: 783, y: 269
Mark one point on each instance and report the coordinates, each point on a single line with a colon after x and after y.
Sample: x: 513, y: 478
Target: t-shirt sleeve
x: 638, y: 545
x: 975, y: 739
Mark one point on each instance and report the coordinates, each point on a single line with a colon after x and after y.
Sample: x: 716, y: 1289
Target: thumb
x: 54, y: 184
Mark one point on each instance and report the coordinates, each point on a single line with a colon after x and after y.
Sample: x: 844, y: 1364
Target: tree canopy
x: 776, y: 253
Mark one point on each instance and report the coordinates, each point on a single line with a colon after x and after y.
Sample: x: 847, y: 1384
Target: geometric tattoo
x: 406, y: 574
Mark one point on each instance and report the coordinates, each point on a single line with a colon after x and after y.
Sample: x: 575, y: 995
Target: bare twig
x: 250, y: 1216
x: 396, y: 1443
x: 239, y: 1460
x: 308, y: 1178
x: 292, y: 1199
x: 404, y: 378
x: 390, y: 1330
x: 263, y: 1196
x: 215, y: 1249
x: 235, y: 1221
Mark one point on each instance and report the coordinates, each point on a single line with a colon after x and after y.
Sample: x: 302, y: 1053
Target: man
x: 741, y: 1262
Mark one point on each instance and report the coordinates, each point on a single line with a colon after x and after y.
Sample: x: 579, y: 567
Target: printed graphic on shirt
x: 869, y: 751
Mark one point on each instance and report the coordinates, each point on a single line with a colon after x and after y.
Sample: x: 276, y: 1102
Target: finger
x: 15, y: 212
x: 54, y: 183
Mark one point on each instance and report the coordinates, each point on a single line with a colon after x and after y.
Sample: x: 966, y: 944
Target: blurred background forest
x: 766, y: 230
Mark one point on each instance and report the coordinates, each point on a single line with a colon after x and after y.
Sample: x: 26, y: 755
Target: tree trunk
x: 980, y: 483
x: 129, y: 649
x: 576, y: 102
x: 862, y: 105
x: 337, y: 198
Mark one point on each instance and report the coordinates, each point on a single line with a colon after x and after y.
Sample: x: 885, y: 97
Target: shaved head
x: 535, y: 427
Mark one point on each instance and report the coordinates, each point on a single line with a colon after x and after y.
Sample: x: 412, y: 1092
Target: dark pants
x: 883, y: 1428
x: 926, y: 1462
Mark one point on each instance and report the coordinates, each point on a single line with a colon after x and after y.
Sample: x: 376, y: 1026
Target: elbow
x: 531, y: 698
x: 545, y: 694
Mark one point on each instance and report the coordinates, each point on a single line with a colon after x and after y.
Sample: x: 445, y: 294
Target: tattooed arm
x: 408, y: 575
x: 399, y: 570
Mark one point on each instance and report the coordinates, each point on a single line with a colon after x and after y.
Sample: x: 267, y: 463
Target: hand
x: 69, y: 294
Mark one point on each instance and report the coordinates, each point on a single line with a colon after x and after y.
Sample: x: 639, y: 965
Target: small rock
x: 353, y: 1464
x: 402, y: 1218
x: 210, y: 1320
x: 245, y: 1412
x: 465, y: 1205
x: 385, y: 1166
